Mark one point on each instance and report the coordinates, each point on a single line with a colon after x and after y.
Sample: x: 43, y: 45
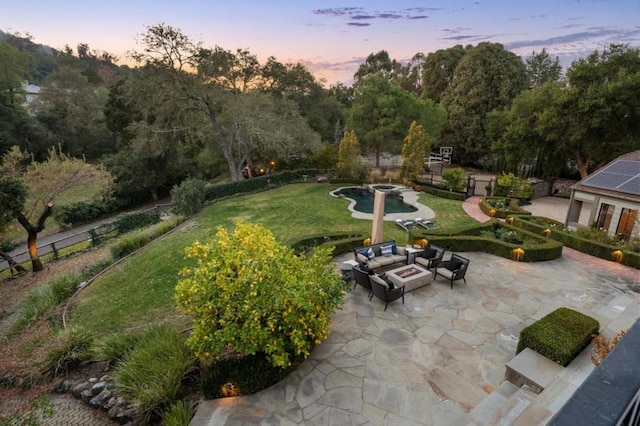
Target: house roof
x: 620, y: 179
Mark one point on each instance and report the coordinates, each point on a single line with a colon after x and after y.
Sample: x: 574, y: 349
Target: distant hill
x: 100, y: 68
x: 46, y: 57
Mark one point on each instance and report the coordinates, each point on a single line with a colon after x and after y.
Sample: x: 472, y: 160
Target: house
x: 613, y: 196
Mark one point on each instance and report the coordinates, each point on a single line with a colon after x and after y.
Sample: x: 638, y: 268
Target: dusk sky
x: 331, y: 39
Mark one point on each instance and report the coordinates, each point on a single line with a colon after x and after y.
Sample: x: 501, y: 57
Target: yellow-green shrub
x: 250, y: 293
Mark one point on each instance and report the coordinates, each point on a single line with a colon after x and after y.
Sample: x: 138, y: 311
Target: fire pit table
x: 409, y: 276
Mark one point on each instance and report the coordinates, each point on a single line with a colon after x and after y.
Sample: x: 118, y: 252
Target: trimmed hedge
x: 87, y: 211
x: 560, y: 335
x: 249, y: 374
x: 470, y: 239
x: 438, y: 191
x: 254, y: 184
x: 134, y: 220
x: 514, y: 207
x: 576, y: 242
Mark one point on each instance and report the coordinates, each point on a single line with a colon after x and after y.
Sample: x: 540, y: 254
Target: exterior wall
x: 617, y: 210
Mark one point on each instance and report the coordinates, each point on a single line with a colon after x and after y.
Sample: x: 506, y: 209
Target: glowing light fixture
x: 367, y: 241
x: 230, y: 389
x: 492, y: 212
x: 518, y: 253
x: 546, y: 232
x: 617, y: 255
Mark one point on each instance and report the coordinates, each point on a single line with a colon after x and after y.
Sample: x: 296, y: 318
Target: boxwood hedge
x: 560, y: 335
x: 471, y: 239
x: 514, y: 207
x: 571, y: 239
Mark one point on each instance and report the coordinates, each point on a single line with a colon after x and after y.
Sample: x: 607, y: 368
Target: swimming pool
x: 363, y: 197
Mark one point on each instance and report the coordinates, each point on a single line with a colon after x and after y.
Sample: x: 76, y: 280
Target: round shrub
x: 250, y: 294
x: 188, y: 198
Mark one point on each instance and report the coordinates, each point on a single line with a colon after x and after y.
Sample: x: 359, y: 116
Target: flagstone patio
x: 440, y: 358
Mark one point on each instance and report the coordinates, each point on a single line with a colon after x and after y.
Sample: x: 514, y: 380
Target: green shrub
x: 482, y: 237
x: 249, y: 374
x: 575, y: 241
x: 134, y: 220
x: 560, y: 335
x: 178, y: 414
x: 87, y: 211
x: 70, y: 348
x: 261, y: 183
x: 114, y: 347
x: 266, y: 299
x: 152, y: 374
x: 455, y: 179
x: 438, y: 191
x: 502, y: 207
x: 188, y: 198
x: 132, y: 241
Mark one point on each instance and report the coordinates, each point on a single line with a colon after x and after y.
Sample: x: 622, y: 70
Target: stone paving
x: 436, y: 358
x: 71, y: 412
x: 440, y: 358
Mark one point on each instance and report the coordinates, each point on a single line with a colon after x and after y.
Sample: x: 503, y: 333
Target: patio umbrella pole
x: 378, y: 217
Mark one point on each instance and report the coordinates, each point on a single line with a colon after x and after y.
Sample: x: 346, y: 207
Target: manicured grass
x: 140, y: 291
x: 449, y: 213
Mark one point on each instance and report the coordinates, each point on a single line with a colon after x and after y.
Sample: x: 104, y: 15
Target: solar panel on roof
x: 621, y: 175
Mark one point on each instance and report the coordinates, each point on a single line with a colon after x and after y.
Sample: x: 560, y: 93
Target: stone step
x: 494, y: 402
x: 503, y: 406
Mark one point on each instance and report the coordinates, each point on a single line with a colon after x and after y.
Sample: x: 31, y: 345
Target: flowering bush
x: 249, y: 294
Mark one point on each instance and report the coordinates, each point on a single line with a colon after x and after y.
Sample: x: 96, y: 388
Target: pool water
x: 393, y: 203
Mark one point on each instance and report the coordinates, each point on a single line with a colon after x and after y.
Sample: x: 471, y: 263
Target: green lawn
x: 139, y: 292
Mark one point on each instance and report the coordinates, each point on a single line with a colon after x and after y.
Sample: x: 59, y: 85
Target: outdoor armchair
x: 382, y: 291
x: 453, y: 269
x: 430, y: 256
x: 362, y: 278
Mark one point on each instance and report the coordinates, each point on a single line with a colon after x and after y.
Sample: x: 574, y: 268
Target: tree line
x: 188, y: 110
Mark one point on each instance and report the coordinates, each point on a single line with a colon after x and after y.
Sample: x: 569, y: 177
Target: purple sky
x: 332, y: 38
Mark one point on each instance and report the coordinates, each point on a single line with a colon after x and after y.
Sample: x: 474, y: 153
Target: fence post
x: 55, y: 251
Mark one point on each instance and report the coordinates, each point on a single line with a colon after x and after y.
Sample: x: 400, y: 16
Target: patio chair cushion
x: 390, y: 283
x: 377, y: 279
x: 428, y: 252
x: 445, y: 272
x: 453, y: 264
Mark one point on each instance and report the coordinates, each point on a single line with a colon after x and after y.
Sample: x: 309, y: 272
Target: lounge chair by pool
x: 428, y: 224
x: 407, y: 225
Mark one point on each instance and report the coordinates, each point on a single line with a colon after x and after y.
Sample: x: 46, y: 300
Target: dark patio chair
x: 453, y: 269
x: 381, y: 291
x: 430, y: 256
x: 362, y: 278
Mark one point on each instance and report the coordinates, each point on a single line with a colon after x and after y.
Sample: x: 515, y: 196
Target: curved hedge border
x: 469, y: 239
x: 514, y: 207
x: 572, y: 240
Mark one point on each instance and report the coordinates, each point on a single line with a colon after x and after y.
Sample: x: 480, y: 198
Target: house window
x: 625, y: 225
x: 604, y: 217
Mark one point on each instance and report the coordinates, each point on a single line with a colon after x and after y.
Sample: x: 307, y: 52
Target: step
x: 532, y: 369
x: 493, y: 403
